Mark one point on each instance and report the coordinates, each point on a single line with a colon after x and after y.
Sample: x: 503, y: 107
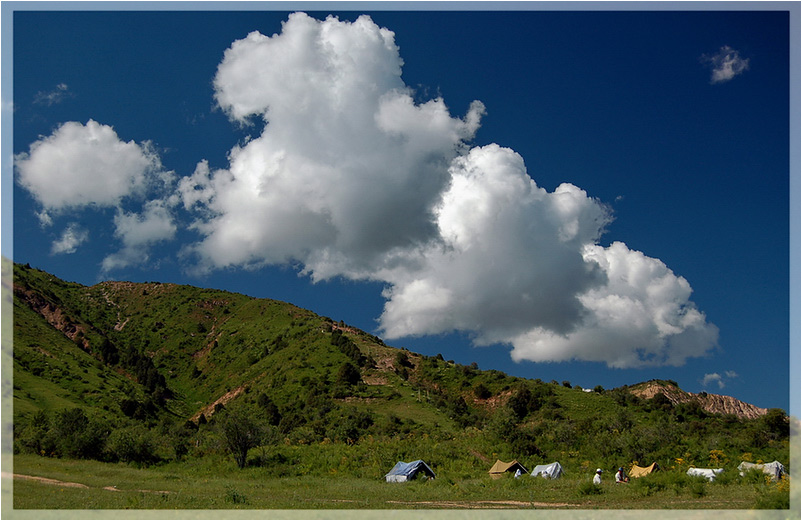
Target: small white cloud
x: 72, y: 237
x: 138, y: 232
x: 712, y: 378
x: 45, y: 219
x: 718, y: 379
x: 81, y: 165
x: 54, y: 96
x: 726, y: 64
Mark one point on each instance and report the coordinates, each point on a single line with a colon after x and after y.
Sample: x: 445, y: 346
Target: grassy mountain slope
x: 151, y: 363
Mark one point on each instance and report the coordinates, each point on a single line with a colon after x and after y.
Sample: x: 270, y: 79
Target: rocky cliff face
x: 712, y: 403
x: 54, y: 315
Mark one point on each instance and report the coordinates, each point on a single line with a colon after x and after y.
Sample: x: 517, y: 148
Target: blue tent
x: 407, y: 471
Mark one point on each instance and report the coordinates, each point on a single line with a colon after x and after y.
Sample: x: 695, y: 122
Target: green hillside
x: 158, y: 374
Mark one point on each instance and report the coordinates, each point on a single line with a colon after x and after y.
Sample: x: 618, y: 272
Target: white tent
x: 775, y: 469
x: 710, y: 474
x: 550, y: 471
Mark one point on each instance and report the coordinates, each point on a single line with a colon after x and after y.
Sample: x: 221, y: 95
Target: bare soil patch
x: 49, y: 481
x: 484, y: 504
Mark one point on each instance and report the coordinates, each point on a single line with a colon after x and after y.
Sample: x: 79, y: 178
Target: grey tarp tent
x: 775, y: 469
x: 500, y: 467
x: 407, y: 471
x: 710, y: 474
x: 550, y: 471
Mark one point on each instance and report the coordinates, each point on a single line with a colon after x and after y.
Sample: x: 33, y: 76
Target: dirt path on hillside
x: 49, y: 481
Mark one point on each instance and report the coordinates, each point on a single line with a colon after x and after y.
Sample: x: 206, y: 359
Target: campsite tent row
x: 403, y: 471
x: 407, y: 471
x: 550, y: 471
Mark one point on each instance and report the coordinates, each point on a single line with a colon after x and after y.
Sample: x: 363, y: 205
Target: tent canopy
x: 710, y: 474
x: 407, y: 471
x: 775, y: 469
x: 499, y: 468
x: 550, y: 471
x: 639, y: 472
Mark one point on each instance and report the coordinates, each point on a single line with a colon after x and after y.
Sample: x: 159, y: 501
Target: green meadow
x: 219, y: 484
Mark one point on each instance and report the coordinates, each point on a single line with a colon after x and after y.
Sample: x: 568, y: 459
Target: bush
x: 482, y: 392
x: 348, y: 375
x: 76, y: 436
x: 236, y: 497
x: 36, y: 436
x: 774, y: 500
x: 698, y: 488
x: 133, y: 445
x: 589, y: 488
x: 775, y: 496
x: 754, y: 476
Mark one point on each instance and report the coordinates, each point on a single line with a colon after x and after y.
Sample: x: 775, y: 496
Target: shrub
x: 773, y: 500
x: 589, y: 488
x: 76, y: 436
x: 36, y: 436
x: 698, y: 488
x: 482, y: 392
x: 348, y: 375
x: 133, y: 445
x: 234, y: 496
x: 402, y: 360
x: 754, y: 476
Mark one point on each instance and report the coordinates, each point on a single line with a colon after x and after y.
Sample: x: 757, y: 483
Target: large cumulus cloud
x: 345, y: 175
x: 351, y: 177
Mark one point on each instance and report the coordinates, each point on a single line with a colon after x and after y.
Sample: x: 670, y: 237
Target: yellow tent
x: 499, y: 468
x: 639, y: 472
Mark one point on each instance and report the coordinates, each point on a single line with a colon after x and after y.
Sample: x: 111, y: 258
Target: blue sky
x: 599, y: 197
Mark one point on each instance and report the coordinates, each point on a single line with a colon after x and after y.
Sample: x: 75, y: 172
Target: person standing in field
x: 620, y: 476
x: 597, y: 477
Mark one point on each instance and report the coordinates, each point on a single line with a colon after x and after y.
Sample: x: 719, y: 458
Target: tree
x: 77, y: 436
x: 36, y: 436
x: 776, y: 422
x: 482, y: 392
x: 402, y: 360
x: 133, y: 444
x: 348, y: 374
x: 240, y: 432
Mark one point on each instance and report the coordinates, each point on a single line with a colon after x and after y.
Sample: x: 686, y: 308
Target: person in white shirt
x: 620, y: 476
x: 597, y: 477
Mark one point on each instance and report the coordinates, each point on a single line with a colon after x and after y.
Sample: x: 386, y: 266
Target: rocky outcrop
x: 54, y: 315
x: 712, y: 403
x: 716, y: 403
